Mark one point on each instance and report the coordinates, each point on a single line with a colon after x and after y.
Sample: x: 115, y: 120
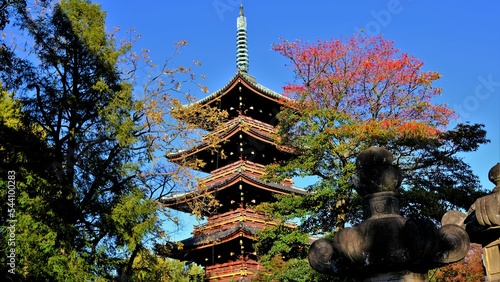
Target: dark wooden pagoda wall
x: 241, y: 100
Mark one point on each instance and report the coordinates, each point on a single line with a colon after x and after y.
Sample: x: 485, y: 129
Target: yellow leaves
x: 199, y: 163
x: 10, y: 109
x: 155, y: 117
x: 428, y: 77
x: 198, y: 116
x: 222, y: 154
x: 181, y: 43
x: 180, y: 245
x: 101, y: 86
x: 203, y: 88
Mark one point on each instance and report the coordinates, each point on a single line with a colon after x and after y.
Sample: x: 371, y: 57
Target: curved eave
x: 248, y: 81
x: 256, y: 182
x: 216, y: 238
x: 224, y: 136
x: 200, y: 242
x: 181, y: 201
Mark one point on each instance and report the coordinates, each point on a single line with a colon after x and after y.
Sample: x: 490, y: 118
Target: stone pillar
x: 386, y: 246
x: 491, y: 259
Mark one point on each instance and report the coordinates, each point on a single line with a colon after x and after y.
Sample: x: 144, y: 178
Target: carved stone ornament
x: 482, y: 221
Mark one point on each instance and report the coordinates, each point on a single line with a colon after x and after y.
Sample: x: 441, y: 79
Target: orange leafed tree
x: 469, y: 269
x: 356, y: 92
x: 353, y: 93
x: 369, y: 83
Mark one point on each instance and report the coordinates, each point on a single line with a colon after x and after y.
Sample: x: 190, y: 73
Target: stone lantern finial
x: 494, y: 176
x: 482, y: 223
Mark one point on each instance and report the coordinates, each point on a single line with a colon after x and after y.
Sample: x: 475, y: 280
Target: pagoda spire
x: 241, y: 42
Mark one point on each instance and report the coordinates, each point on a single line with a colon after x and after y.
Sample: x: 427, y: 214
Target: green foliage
x: 354, y: 93
x: 84, y: 107
x: 40, y: 256
x: 283, y: 241
x: 133, y: 217
x: 150, y: 267
x: 293, y: 270
x: 10, y: 109
x: 82, y: 146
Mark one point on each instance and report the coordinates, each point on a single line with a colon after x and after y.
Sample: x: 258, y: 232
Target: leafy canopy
x: 88, y: 143
x: 353, y: 93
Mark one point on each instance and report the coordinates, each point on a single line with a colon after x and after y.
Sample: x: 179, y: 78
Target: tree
x: 358, y: 92
x: 154, y: 268
x: 293, y: 270
x: 90, y: 179
x: 469, y: 269
x: 23, y: 154
x: 10, y: 8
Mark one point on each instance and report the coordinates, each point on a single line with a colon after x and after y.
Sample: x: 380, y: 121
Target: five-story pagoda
x: 224, y: 244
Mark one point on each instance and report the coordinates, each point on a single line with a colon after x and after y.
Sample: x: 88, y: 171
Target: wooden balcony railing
x: 247, y: 166
x: 251, y: 167
x: 235, y: 268
x: 227, y: 218
x: 243, y: 121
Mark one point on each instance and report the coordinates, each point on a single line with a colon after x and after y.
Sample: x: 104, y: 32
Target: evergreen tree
x: 86, y: 149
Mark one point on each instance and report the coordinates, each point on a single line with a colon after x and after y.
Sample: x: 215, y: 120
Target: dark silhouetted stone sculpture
x: 482, y: 223
x: 483, y: 219
x: 387, y: 246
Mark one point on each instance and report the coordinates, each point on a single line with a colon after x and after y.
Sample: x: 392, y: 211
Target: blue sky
x: 459, y: 39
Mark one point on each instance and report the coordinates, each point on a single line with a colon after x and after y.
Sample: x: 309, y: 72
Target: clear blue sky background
x: 459, y: 39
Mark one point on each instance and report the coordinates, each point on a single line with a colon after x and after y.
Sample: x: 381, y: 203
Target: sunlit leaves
x: 470, y: 269
x: 133, y: 217
x: 153, y: 268
x: 353, y: 93
x: 100, y: 119
x: 364, y: 77
x: 10, y: 109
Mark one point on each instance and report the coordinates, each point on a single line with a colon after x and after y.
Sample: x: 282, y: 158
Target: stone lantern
x: 386, y: 246
x: 482, y: 222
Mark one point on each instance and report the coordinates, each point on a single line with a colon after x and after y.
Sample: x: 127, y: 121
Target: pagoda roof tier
x: 240, y: 138
x: 251, y: 168
x: 262, y: 129
x: 233, y: 218
x: 242, y: 94
x: 245, y: 80
x: 222, y: 243
x: 207, y: 239
x: 246, y: 175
